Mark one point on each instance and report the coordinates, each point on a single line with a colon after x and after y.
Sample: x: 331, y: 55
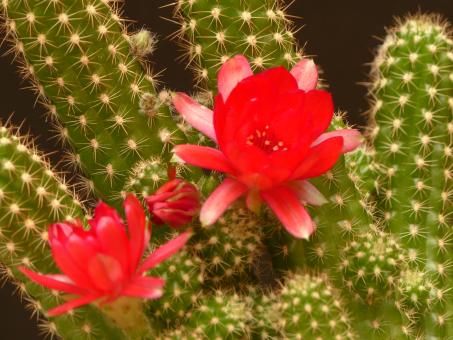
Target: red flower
x: 175, y: 203
x: 270, y: 131
x: 105, y: 261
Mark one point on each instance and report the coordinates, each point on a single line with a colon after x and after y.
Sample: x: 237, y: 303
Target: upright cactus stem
x: 412, y: 127
x: 213, y: 31
x: 78, y: 58
x: 31, y: 197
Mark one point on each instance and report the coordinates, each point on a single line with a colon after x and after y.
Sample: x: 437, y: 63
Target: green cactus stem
x: 77, y: 55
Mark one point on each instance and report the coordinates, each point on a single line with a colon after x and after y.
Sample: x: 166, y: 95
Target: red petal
x: 290, y: 211
x: 307, y: 192
x: 197, y: 115
x: 106, y: 273
x: 68, y: 306
x: 320, y: 159
x: 54, y: 281
x: 101, y: 210
x: 224, y: 195
x: 164, y: 252
x: 318, y: 111
x: 204, y: 157
x: 251, y: 103
x: 69, y: 267
x: 233, y: 71
x: 136, y: 224
x: 351, y: 138
x: 145, y: 287
x: 114, y: 242
x: 306, y: 74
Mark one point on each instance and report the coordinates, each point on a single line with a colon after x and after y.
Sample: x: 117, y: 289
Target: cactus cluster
x: 380, y: 262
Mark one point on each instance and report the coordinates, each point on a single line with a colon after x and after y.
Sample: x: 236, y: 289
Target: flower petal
x: 306, y: 74
x: 136, y: 224
x: 164, y: 252
x: 204, y: 157
x: 197, y: 115
x: 320, y: 159
x: 101, y: 210
x: 286, y: 206
x: 307, y: 192
x: 233, y: 71
x: 114, y: 242
x: 318, y: 110
x: 216, y: 204
x: 68, y: 306
x: 106, y: 273
x: 351, y: 138
x: 54, y: 281
x: 145, y: 287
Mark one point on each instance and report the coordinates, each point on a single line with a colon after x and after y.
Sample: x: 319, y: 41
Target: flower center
x: 265, y: 140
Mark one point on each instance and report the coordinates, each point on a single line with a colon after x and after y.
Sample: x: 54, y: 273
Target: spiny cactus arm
x: 31, y: 198
x: 412, y: 96
x: 213, y: 31
x: 78, y: 58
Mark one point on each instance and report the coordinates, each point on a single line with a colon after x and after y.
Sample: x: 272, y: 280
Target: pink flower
x: 105, y: 262
x: 270, y: 130
x: 175, y: 203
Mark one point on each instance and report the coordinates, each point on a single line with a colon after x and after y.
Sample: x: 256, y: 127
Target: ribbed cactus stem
x: 78, y: 58
x: 412, y: 109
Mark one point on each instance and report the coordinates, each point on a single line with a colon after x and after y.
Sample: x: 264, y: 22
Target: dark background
x: 341, y: 34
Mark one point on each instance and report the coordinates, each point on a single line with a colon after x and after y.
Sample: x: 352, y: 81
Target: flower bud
x: 174, y: 203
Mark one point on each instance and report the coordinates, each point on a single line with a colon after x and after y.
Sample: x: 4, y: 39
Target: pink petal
x: 164, y: 252
x: 68, y: 306
x: 233, y: 71
x: 307, y: 192
x: 306, y: 74
x: 286, y: 206
x: 197, y: 115
x: 203, y: 157
x: 136, y: 224
x: 351, y: 138
x: 54, y: 281
x: 224, y: 195
x: 145, y: 287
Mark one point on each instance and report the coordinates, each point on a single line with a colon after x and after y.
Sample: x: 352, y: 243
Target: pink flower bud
x: 174, y: 203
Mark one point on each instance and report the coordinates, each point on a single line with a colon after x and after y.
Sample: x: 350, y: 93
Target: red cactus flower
x: 105, y: 262
x: 269, y: 129
x: 175, y: 203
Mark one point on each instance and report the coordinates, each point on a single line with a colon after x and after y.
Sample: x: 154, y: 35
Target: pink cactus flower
x: 270, y: 130
x: 105, y: 262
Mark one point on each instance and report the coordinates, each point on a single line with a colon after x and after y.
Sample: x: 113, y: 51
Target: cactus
x: 229, y: 248
x: 213, y: 31
x: 411, y: 117
x: 32, y: 195
x: 78, y: 59
x: 379, y: 264
x: 184, y: 274
x: 309, y: 307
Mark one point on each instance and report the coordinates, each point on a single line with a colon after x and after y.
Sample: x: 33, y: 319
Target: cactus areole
x: 270, y: 130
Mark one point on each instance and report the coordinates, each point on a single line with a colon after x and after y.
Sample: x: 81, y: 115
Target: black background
x: 341, y: 34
